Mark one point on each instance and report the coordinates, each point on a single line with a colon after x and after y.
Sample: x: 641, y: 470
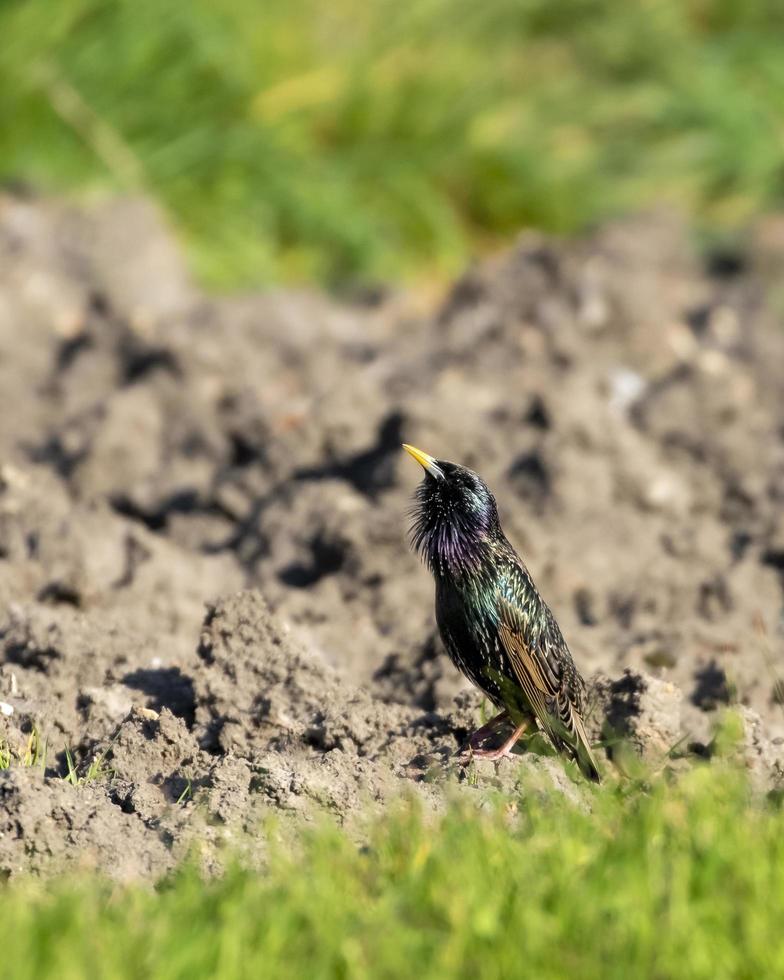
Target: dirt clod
x: 204, y: 577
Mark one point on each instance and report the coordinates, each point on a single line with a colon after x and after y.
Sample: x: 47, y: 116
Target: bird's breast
x: 469, y: 630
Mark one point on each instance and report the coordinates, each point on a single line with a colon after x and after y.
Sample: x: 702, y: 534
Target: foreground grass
x: 682, y: 880
x: 349, y: 140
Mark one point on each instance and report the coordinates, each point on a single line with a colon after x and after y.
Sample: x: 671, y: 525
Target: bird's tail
x: 582, y: 748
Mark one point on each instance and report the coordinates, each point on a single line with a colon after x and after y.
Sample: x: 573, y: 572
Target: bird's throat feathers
x: 448, y: 552
x: 452, y: 536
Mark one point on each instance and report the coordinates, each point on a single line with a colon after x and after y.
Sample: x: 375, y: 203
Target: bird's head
x: 454, y: 514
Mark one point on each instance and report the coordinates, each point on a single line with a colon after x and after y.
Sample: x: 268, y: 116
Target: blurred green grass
x: 681, y: 880
x: 354, y: 142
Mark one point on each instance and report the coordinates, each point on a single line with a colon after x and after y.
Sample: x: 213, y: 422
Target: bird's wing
x: 545, y: 671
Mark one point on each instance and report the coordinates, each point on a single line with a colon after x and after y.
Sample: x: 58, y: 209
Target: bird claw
x: 474, y: 750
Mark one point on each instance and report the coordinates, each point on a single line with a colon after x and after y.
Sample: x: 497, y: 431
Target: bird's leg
x: 474, y: 746
x: 476, y: 738
x: 492, y: 755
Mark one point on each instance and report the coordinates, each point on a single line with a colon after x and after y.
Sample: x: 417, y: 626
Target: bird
x: 497, y: 629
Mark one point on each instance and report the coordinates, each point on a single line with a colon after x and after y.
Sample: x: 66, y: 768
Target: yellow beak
x: 428, y: 462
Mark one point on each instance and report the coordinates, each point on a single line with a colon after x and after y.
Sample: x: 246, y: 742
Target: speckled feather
x: 496, y: 627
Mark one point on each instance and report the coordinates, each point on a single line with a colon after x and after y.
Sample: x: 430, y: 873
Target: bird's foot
x: 475, y: 739
x: 475, y: 750
x: 493, y: 755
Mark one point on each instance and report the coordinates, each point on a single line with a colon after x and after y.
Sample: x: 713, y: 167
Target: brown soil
x: 204, y: 578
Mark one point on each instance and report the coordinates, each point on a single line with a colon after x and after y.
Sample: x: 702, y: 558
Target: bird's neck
x: 462, y: 561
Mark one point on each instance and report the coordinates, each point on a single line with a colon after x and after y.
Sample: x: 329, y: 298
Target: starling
x: 496, y: 627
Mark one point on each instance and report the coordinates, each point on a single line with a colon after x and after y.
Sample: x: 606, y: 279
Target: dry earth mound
x: 204, y: 580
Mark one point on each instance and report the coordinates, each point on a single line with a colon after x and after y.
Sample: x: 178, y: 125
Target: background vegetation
x: 682, y: 879
x: 349, y: 142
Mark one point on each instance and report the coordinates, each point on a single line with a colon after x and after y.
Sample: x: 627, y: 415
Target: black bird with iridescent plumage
x: 496, y: 627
